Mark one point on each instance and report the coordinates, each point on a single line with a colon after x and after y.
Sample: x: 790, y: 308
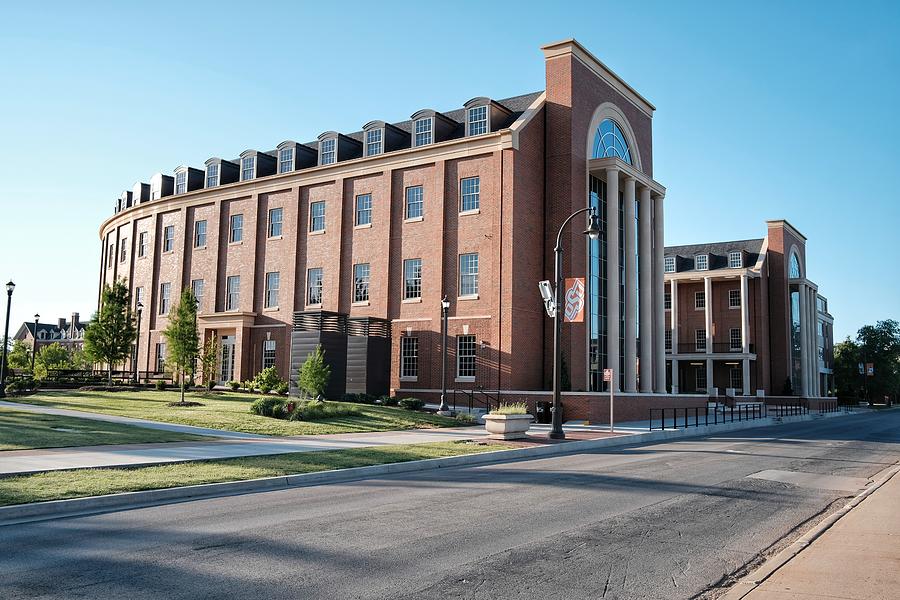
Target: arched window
x: 794, y: 267
x: 610, y: 141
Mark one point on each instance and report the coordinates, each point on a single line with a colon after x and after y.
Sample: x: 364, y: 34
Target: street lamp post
x: 10, y: 286
x: 593, y: 232
x: 37, y: 318
x: 445, y: 310
x: 137, y: 340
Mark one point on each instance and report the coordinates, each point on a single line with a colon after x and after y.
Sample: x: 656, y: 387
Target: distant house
x: 67, y: 333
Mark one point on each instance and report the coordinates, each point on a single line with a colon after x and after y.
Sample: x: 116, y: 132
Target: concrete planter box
x: 507, y: 427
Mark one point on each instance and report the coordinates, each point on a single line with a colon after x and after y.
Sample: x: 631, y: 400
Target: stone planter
x: 507, y: 427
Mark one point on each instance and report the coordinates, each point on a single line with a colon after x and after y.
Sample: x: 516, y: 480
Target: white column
x: 804, y: 342
x: 659, y: 338
x: 646, y: 294
x: 630, y: 382
x: 813, y: 344
x: 673, y: 314
x: 674, y: 375
x: 612, y: 274
x: 746, y: 370
x: 707, y: 312
x: 709, y: 376
x: 745, y: 316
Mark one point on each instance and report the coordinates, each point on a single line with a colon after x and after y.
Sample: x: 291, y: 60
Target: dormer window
x: 477, y: 120
x: 248, y: 167
x: 373, y: 141
x: 285, y: 160
x: 701, y: 262
x: 735, y: 260
x: 327, y: 151
x: 669, y: 266
x: 181, y: 182
x: 423, y: 131
x: 212, y: 176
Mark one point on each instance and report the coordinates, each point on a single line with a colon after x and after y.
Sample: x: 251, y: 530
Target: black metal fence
x: 101, y: 376
x: 695, y: 416
x: 476, y: 398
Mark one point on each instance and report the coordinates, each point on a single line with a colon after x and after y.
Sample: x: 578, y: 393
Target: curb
x: 752, y: 581
x: 57, y: 509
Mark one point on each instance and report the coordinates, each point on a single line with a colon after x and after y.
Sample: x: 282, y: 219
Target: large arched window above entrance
x: 794, y: 271
x: 610, y: 141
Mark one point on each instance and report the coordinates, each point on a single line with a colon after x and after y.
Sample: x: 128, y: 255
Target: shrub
x: 268, y: 407
x: 14, y: 387
x: 160, y: 384
x: 210, y: 384
x: 465, y: 418
x: 412, y: 403
x: 511, y: 408
x: 359, y: 398
x: 314, y: 374
x: 234, y: 385
x: 267, y: 380
x: 310, y: 410
x: 282, y: 388
x: 249, y: 385
x: 390, y: 400
x: 264, y: 388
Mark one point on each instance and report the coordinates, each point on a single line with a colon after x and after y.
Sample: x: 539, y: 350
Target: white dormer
x: 701, y: 262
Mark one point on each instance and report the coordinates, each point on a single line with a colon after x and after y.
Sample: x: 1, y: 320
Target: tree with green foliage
x: 314, y: 373
x: 182, y: 338
x: 19, y: 356
x: 878, y: 344
x: 209, y: 362
x: 111, y: 333
x: 51, y: 356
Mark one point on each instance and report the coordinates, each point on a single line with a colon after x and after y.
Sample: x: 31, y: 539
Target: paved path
x: 662, y: 521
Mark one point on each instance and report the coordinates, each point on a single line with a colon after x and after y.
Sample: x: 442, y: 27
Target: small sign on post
x: 608, y: 377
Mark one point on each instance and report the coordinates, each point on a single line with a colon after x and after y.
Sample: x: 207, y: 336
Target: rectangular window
x: 414, y: 201
x: 373, y: 142
x: 700, y: 378
x: 364, y: 209
x: 180, y: 182
x: 200, y: 234
x: 736, y: 378
x: 232, y: 292
x: 285, y: 160
x: 669, y: 264
x: 142, y: 243
x: 248, y: 167
x: 468, y: 274
x: 314, y: 286
x: 736, y: 343
x: 110, y: 255
x: 326, y: 152
x: 470, y: 194
x: 412, y: 278
x: 212, y: 176
x: 237, y: 228
x: 465, y: 357
x: 160, y: 357
x: 361, y: 282
x: 268, y: 354
x: 409, y: 357
x: 667, y: 301
x: 276, y: 217
x: 668, y: 339
x: 123, y: 249
x: 168, y: 238
x: 700, y: 340
x: 477, y: 120
x: 735, y: 260
x: 197, y: 290
x: 165, y: 290
x: 424, y: 131
x: 317, y: 216
x: 138, y: 296
x: 273, y: 280
x: 734, y: 298
x: 699, y: 300
x: 701, y: 262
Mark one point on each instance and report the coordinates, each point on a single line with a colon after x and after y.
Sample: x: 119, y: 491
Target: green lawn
x: 79, y: 483
x: 230, y: 411
x: 22, y: 430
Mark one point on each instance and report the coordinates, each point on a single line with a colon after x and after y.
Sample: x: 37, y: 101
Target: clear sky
x: 765, y: 110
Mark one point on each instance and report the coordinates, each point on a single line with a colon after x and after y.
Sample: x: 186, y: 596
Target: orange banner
x: 574, y: 300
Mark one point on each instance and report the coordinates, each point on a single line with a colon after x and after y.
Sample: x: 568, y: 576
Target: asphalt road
x: 656, y: 521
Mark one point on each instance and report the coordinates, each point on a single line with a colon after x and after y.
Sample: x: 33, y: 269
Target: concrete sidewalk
x: 857, y: 557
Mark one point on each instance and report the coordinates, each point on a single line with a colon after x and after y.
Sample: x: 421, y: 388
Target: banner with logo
x: 574, y: 300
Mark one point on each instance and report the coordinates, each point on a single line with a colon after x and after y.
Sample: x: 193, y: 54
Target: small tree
x: 209, y: 361
x: 182, y: 338
x: 19, y: 356
x: 109, y: 337
x: 314, y: 374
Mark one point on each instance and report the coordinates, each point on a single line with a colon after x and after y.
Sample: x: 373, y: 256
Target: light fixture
x: 593, y: 230
x: 10, y: 286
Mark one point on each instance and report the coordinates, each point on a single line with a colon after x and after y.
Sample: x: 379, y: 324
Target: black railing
x: 718, y: 347
x: 787, y: 408
x: 88, y: 376
x: 475, y: 398
x: 694, y: 416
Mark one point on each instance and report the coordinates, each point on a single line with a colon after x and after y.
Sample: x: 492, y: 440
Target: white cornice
x: 614, y: 162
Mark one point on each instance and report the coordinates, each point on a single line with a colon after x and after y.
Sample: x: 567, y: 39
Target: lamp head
x: 593, y: 230
x: 37, y: 317
x: 10, y: 286
x: 139, y: 306
x: 445, y: 304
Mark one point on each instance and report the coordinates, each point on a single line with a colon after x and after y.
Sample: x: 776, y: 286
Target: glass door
x: 227, y: 358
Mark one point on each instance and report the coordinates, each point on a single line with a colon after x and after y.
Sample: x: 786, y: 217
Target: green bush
x: 210, y: 384
x: 160, y: 384
x: 234, y: 385
x: 511, y: 408
x: 268, y: 380
x: 249, y: 385
x: 315, y: 373
x: 412, y: 403
x: 282, y: 388
x: 465, y: 418
x: 359, y: 398
x: 268, y: 407
x: 310, y: 410
x: 390, y: 400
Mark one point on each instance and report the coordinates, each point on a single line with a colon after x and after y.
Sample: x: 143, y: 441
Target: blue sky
x: 764, y: 111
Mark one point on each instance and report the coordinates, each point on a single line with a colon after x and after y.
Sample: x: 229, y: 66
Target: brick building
x: 743, y: 318
x: 360, y: 235
x: 68, y: 333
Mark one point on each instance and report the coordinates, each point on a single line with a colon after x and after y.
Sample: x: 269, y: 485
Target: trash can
x: 544, y: 414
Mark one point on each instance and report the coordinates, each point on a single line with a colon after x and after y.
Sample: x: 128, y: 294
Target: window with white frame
x: 138, y: 296
x: 667, y: 300
x: 701, y: 262
x: 373, y: 141
x: 233, y: 292
x: 200, y: 234
x: 276, y: 218
x: 326, y: 151
x: 734, y: 298
x: 181, y: 182
x: 414, y: 201
x: 700, y: 340
x: 699, y: 300
x: 736, y: 378
x: 361, y: 282
x: 143, y: 242
x: 160, y: 357
x: 165, y: 291
x: 734, y: 339
x: 123, y: 249
x: 669, y: 265
x: 268, y: 354
x: 477, y: 120
x: 314, y: 286
x: 409, y: 357
x: 236, y: 227
x: 468, y: 274
x: 668, y: 339
x: 273, y: 281
x: 364, y: 209
x: 285, y: 160
x: 424, y: 131
x: 110, y: 255
x: 168, y: 238
x: 212, y: 176
x: 700, y: 378
x: 197, y: 291
x: 412, y: 278
x: 465, y: 357
x: 470, y: 194
x: 317, y: 216
x: 248, y: 167
x: 735, y: 260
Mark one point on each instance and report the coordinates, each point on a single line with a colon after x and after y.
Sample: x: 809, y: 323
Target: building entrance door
x: 227, y: 358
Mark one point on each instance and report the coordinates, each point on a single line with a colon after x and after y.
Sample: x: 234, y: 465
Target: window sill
x: 464, y: 380
x: 409, y: 379
x: 734, y: 308
x: 364, y: 226
x: 271, y: 309
x: 414, y: 220
x: 142, y: 257
x: 241, y: 243
x: 313, y: 306
x: 274, y: 237
x: 474, y: 211
x: 164, y: 252
x: 360, y: 303
x: 469, y: 297
x: 203, y: 247
x: 701, y: 308
x: 317, y: 232
x: 412, y: 301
